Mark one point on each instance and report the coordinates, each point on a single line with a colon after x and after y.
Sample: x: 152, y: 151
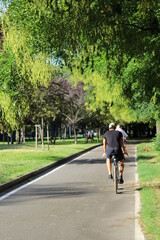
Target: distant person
x: 125, y: 136
x: 91, y: 135
x: 86, y: 136
x: 113, y: 144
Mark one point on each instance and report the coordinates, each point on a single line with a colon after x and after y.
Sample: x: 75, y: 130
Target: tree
x: 14, y: 98
x: 73, y: 107
x: 103, y: 40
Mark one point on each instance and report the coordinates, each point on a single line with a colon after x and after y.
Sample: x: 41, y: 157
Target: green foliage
x: 112, y: 46
x: 13, y: 97
x: 138, y: 81
x: 23, y: 38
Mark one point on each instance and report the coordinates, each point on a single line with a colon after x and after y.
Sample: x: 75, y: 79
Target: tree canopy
x: 111, y: 46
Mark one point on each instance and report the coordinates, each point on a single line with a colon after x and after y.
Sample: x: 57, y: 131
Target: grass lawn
x: 149, y: 175
x: 19, y: 159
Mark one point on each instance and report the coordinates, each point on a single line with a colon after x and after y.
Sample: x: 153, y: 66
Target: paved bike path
x: 74, y: 201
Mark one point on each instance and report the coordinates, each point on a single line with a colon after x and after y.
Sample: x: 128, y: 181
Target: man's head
x: 119, y: 126
x: 112, y: 126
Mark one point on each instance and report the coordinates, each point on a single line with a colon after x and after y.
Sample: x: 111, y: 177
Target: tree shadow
x: 89, y: 161
x: 16, y: 146
x: 154, y: 185
x: 129, y: 159
x: 129, y: 189
x: 139, y: 140
x: 58, y: 191
x: 100, y: 161
x: 142, y: 157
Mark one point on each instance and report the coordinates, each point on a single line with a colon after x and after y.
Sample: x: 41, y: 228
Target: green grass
x: 19, y: 159
x: 149, y: 175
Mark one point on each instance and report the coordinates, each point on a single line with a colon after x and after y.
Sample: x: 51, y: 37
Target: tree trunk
x: 70, y: 131
x: 21, y: 135
x: 65, y: 133
x: 24, y: 136
x: 3, y: 136
x: 158, y: 127
x: 42, y: 135
x: 75, y: 135
x: 48, y: 136
x: 8, y: 139
x: 55, y: 133
x: 11, y: 137
x: 17, y: 136
x: 36, y: 142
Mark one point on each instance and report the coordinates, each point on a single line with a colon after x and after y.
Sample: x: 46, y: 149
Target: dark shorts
x: 117, y: 151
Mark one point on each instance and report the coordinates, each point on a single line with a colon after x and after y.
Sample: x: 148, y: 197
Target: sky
x: 2, y: 8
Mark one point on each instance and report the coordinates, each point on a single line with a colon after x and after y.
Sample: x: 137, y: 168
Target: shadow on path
x: 89, y: 161
x: 99, y: 161
x: 58, y: 191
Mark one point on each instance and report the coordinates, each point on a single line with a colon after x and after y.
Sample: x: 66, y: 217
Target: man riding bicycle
x: 113, y: 144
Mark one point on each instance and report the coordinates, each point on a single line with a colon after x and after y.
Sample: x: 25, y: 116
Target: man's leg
x: 121, y: 168
x: 109, y: 167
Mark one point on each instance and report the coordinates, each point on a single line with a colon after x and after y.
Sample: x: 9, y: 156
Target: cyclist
x: 125, y: 136
x: 113, y: 143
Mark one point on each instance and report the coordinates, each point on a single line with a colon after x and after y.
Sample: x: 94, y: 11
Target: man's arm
x: 104, y: 146
x: 125, y: 135
x: 122, y: 146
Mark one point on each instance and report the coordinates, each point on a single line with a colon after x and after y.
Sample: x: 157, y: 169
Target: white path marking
x: 37, y: 179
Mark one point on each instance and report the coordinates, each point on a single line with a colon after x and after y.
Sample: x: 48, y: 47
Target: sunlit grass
x: 19, y: 159
x: 149, y: 175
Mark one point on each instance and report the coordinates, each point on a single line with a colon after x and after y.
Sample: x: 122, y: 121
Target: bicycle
x: 115, y: 168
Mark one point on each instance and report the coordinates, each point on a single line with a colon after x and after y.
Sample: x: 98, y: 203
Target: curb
x: 37, y: 172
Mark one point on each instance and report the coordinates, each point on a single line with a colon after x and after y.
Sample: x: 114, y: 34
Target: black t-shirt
x: 113, y: 138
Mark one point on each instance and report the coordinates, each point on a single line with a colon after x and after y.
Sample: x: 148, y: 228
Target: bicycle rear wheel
x: 115, y: 179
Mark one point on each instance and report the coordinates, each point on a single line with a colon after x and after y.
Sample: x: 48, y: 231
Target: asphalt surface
x: 74, y: 201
